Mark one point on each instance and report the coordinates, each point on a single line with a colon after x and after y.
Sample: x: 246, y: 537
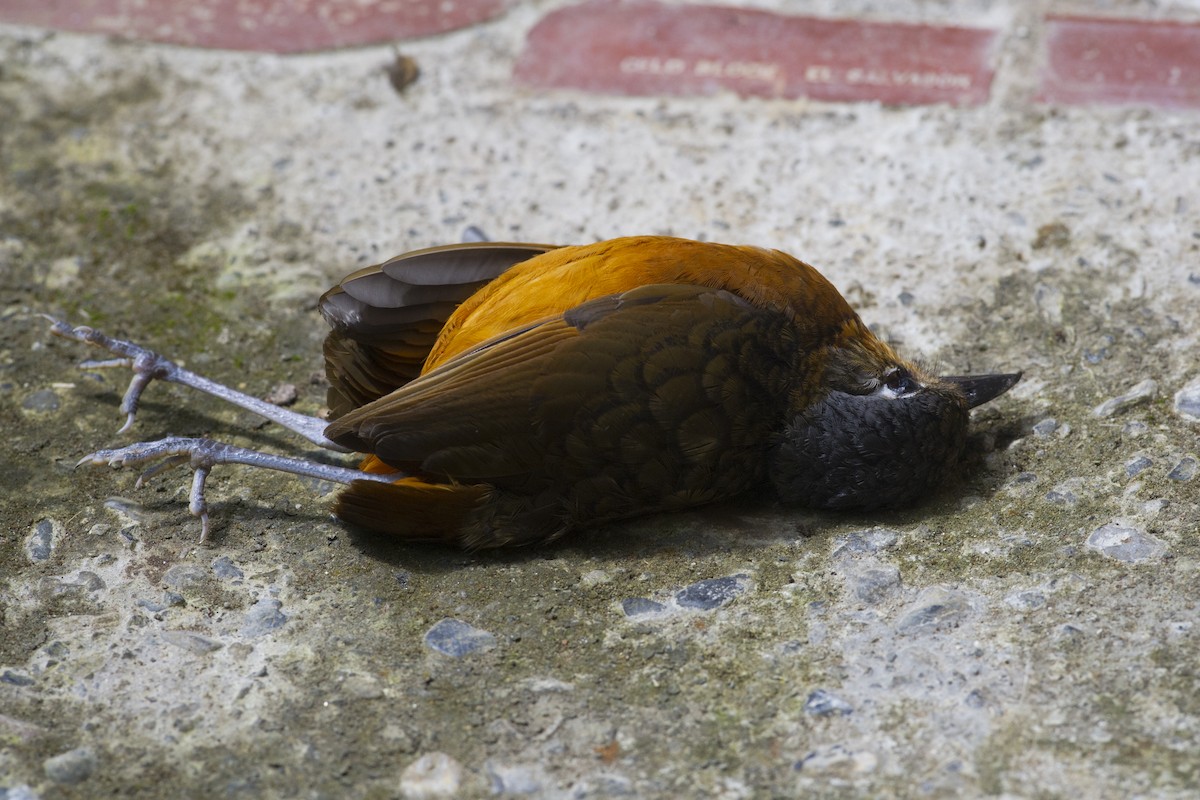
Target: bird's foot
x: 199, y: 454
x: 146, y: 364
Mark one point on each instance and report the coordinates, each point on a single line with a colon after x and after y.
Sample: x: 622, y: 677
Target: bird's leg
x: 148, y: 365
x: 204, y: 454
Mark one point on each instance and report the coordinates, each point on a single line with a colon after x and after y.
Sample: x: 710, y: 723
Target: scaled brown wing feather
x: 489, y: 413
x: 385, y: 319
x: 471, y: 409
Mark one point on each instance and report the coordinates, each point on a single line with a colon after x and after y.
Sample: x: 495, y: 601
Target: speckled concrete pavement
x: 1030, y: 632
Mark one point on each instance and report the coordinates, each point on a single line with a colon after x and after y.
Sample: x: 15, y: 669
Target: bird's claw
x: 146, y: 364
x: 200, y: 454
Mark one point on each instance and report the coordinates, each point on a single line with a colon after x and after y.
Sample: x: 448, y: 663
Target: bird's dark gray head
x: 887, y: 446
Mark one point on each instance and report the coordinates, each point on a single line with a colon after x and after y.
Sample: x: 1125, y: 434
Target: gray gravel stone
x: 22, y: 791
x: 263, y: 617
x: 1125, y: 543
x: 1045, y: 427
x: 1135, y: 428
x: 937, y: 609
x: 1185, y: 470
x: 191, y: 641
x: 824, y: 703
x: 184, y: 576
x: 869, y: 541
x: 15, y: 678
x: 873, y: 584
x: 1026, y: 599
x: 225, y: 569
x: 71, y: 767
x: 1139, y: 394
x: 431, y: 775
x: 1061, y: 496
x: 641, y: 606
x: 41, y: 400
x: 40, y: 542
x: 1137, y: 464
x: 838, y: 760
x: 1187, y: 401
x: 89, y: 581
x: 455, y: 638
x: 712, y: 593
x: 515, y: 779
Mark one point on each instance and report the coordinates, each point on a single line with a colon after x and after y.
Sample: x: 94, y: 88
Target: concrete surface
x: 1030, y: 632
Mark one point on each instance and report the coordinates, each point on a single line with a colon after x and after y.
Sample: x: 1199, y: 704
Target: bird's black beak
x: 978, y: 389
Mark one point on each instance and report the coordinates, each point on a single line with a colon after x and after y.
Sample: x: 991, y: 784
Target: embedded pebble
x: 225, y: 569
x: 1185, y: 470
x: 15, y: 678
x: 1045, y: 427
x: 41, y: 400
x: 40, y: 542
x: 594, y: 577
x: 1187, y: 401
x: 73, y: 766
x: 284, y: 394
x: 712, y: 593
x: 823, y: 703
x: 1137, y: 464
x: 1061, y: 496
x: 1154, y: 507
x: 603, y: 785
x: 22, y: 791
x: 132, y: 512
x: 938, y: 609
x: 1142, y: 393
x: 514, y: 778
x: 872, y: 585
x: 640, y: 606
x: 1124, y: 543
x: 1135, y: 428
x: 184, y: 576
x: 1022, y: 483
x: 455, y: 638
x: 431, y: 775
x: 1025, y: 599
x: 869, y: 541
x: 838, y: 759
x: 191, y: 641
x: 263, y: 617
x: 88, y: 581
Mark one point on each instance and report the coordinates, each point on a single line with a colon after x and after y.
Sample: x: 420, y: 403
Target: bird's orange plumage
x: 545, y: 287
x: 566, y: 277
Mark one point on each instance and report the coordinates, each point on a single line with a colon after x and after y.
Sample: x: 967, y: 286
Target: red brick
x: 277, y: 26
x: 1127, y: 61
x: 648, y: 48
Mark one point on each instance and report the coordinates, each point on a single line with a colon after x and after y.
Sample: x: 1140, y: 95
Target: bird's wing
x: 491, y: 412
x: 384, y: 319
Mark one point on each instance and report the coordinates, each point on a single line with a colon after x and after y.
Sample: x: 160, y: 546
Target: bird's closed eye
x: 899, y: 382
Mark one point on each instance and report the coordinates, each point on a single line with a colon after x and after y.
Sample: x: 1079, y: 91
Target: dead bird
x: 505, y: 394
